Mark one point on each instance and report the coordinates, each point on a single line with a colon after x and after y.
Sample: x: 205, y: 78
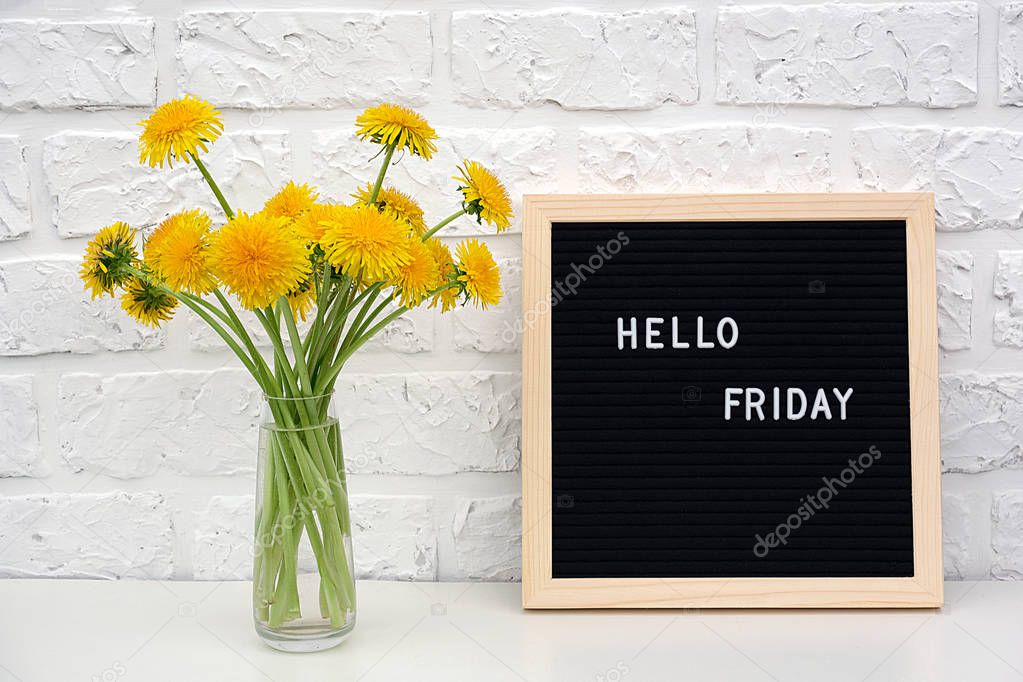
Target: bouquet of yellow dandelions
x: 351, y: 266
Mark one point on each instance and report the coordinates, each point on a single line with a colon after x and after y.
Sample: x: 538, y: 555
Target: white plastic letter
x: 731, y: 402
x: 752, y: 404
x: 820, y: 404
x: 700, y: 343
x: 727, y: 321
x: 622, y: 333
x: 791, y: 393
x: 843, y: 399
x: 675, y: 343
x: 652, y: 333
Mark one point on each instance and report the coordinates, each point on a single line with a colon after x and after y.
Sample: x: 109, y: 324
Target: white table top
x: 91, y: 630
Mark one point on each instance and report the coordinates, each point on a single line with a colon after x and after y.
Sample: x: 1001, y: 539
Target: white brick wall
x: 129, y: 453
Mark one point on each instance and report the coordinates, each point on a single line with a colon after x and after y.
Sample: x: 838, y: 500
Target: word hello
x: 726, y: 334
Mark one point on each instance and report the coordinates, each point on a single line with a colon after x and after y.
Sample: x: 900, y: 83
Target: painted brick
x: 273, y: 59
x: 1007, y: 535
x: 487, y: 534
x: 1008, y: 286
x: 704, y: 159
x: 430, y: 423
x: 576, y: 58
x: 981, y: 421
x: 133, y: 425
x: 45, y: 309
x: 394, y: 536
x: 104, y: 535
x: 95, y: 178
x: 223, y: 537
x: 848, y: 54
x: 202, y: 423
x: 1010, y: 54
x: 411, y: 333
x: 955, y: 299
x: 54, y: 65
x: 15, y: 215
x: 20, y: 452
x: 975, y: 173
x: 961, y: 522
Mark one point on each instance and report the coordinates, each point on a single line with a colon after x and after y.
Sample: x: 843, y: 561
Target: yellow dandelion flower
x: 484, y: 195
x: 106, y: 257
x: 291, y: 202
x: 178, y: 128
x: 400, y: 205
x: 364, y: 243
x: 177, y: 252
x: 148, y: 303
x: 448, y: 298
x: 419, y: 276
x: 389, y: 124
x: 302, y: 300
x: 478, y: 273
x: 258, y: 258
x: 311, y: 224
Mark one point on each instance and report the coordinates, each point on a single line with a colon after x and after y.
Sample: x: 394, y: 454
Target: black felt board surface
x: 648, y: 478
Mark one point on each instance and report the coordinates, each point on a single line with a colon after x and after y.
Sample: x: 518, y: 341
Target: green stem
x: 433, y: 230
x: 325, y: 380
x: 296, y: 341
x: 213, y: 185
x: 372, y: 316
x: 231, y: 343
x: 323, y: 288
x: 305, y: 458
x: 383, y: 171
x: 330, y: 329
x: 267, y: 556
x: 373, y: 291
x: 243, y: 334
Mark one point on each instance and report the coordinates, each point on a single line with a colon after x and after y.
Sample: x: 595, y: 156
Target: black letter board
x: 730, y: 398
x: 653, y: 481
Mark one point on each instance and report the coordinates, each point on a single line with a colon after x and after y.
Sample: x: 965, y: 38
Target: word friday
x: 773, y: 404
x: 754, y: 402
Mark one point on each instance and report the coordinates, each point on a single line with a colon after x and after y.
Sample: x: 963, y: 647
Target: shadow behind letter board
x: 648, y: 478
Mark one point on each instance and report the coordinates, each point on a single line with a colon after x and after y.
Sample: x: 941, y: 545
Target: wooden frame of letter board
x: 541, y: 591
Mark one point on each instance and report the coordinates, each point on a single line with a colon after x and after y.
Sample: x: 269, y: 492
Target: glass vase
x: 303, y: 587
